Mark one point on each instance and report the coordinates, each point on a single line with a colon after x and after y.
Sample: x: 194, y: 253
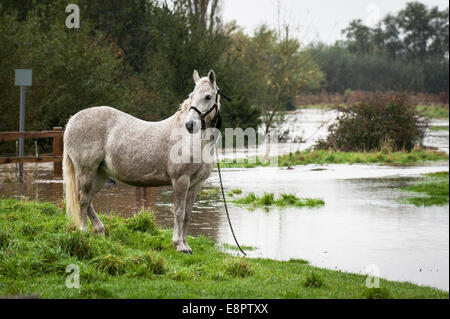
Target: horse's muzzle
x: 190, y: 126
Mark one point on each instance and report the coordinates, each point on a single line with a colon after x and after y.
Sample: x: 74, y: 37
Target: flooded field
x: 308, y: 126
x: 362, y: 224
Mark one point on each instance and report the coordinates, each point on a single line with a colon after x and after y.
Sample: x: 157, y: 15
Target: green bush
x: 385, y: 122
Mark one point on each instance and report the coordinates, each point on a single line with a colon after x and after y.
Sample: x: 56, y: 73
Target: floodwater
x: 362, y: 227
x: 308, y: 126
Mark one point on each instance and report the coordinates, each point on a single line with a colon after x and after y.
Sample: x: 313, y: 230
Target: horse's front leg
x: 180, y: 189
x: 190, y: 199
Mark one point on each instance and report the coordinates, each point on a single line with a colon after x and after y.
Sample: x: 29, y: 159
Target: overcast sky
x: 316, y: 20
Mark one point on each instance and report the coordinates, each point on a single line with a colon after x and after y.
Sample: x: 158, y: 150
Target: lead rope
x: 225, y: 202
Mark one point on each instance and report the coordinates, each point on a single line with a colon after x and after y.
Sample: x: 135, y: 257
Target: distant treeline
x: 408, y: 51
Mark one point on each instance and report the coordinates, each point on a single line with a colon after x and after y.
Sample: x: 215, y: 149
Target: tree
x: 71, y: 71
x: 415, y: 22
x: 407, y: 51
x: 283, y: 71
x: 205, y: 11
x: 359, y: 37
x: 439, y: 23
x: 391, y: 38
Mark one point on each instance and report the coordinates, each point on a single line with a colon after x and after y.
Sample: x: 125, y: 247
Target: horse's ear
x: 196, y: 76
x: 212, y: 76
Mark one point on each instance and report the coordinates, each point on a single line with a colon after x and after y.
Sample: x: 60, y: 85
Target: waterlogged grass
x: 285, y: 200
x: 433, y: 111
x: 135, y: 259
x: 431, y: 190
x: 386, y: 158
x: 429, y: 111
x: 439, y: 128
x: 318, y: 106
x: 207, y: 194
x: 236, y: 191
x: 331, y: 157
x: 236, y: 248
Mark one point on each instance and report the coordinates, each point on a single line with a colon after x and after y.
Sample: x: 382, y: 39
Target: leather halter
x: 217, y: 120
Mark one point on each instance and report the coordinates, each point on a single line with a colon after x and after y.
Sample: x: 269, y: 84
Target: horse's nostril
x: 190, y: 126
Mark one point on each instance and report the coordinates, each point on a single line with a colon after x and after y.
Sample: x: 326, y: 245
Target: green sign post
x: 23, y: 78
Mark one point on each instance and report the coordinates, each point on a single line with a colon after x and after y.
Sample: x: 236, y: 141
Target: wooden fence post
x: 58, y: 151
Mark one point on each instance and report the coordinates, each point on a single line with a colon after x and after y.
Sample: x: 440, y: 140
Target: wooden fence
x: 55, y: 157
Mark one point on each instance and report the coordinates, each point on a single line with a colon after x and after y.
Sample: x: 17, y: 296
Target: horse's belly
x: 137, y: 175
x: 154, y: 182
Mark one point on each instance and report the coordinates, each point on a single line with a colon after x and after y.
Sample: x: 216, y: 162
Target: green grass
x: 433, y: 111
x: 432, y: 190
x: 236, y: 248
x: 318, y: 106
x: 285, y: 200
x: 331, y: 157
x: 135, y: 259
x: 439, y: 128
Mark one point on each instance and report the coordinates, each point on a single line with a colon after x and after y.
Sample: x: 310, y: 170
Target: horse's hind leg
x: 97, y: 225
x: 88, y: 186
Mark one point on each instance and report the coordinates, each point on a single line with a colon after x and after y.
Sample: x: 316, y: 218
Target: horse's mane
x: 185, y: 105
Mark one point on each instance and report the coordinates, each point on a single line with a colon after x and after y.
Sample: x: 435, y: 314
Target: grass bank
x: 430, y: 111
x: 431, y: 190
x: 330, y: 157
x: 439, y: 128
x: 433, y: 111
x: 135, y: 259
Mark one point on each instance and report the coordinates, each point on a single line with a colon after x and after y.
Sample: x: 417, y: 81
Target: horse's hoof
x: 99, y: 232
x: 186, y: 251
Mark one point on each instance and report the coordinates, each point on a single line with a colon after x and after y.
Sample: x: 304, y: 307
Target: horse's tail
x: 71, y: 190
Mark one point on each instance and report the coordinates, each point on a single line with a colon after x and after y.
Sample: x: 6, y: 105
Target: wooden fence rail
x: 55, y: 157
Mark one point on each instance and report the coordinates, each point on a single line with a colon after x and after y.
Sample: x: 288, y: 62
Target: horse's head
x: 204, y: 109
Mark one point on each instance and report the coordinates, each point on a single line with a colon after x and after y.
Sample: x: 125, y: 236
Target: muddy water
x: 362, y: 224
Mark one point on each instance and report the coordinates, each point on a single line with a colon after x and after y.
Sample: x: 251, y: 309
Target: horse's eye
x: 208, y: 97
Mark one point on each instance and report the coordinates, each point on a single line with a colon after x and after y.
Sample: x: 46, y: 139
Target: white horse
x: 102, y: 142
